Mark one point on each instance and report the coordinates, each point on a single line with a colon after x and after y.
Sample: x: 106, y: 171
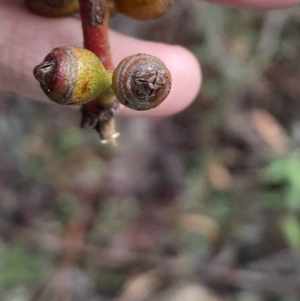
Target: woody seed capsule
x: 143, y: 10
x: 141, y: 82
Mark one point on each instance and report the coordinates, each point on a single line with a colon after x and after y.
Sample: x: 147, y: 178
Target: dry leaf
x: 201, y: 224
x: 219, y: 176
x: 270, y: 130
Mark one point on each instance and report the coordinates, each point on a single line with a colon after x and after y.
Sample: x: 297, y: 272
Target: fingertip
x: 257, y: 4
x: 186, y: 81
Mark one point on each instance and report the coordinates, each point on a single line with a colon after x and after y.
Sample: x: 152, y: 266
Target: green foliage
x: 221, y: 206
x: 35, y: 170
x: 271, y: 198
x: 193, y: 242
x: 18, y: 294
x: 116, y: 217
x: 65, y: 207
x: 69, y: 140
x: 110, y: 282
x: 291, y: 228
x: 18, y: 267
x: 286, y: 170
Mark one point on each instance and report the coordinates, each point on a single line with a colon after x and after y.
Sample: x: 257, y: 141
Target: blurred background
x: 204, y: 205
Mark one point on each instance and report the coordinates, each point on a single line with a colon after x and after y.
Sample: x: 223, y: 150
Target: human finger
x: 26, y: 38
x: 257, y: 4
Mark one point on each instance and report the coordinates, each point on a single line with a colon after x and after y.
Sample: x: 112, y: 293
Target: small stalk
x: 98, y: 113
x: 94, y: 16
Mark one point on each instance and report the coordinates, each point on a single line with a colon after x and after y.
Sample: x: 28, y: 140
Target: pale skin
x: 26, y: 38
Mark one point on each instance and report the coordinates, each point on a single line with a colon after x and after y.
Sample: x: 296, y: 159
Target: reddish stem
x: 98, y: 113
x: 94, y: 16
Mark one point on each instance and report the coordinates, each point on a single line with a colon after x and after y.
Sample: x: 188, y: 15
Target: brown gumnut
x: 141, y: 82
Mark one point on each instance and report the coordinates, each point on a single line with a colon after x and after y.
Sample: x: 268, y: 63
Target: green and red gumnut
x: 75, y: 76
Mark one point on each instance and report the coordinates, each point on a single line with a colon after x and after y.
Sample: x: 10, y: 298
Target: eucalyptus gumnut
x: 72, y: 75
x: 143, y: 10
x: 53, y: 8
x: 141, y: 82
